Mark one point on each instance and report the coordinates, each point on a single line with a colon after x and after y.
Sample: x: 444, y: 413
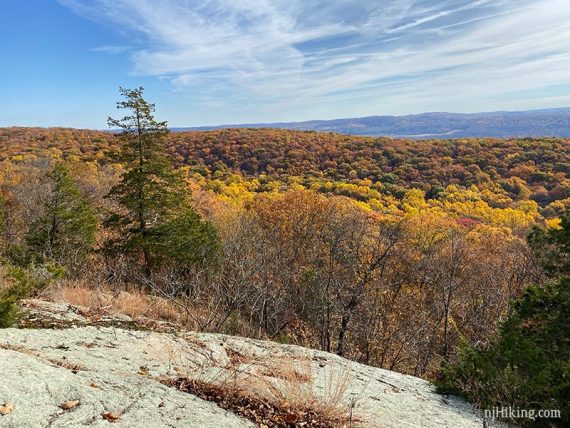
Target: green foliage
x: 529, y: 365
x: 9, y: 310
x: 155, y: 218
x: 188, y: 240
x: 64, y: 229
x: 24, y: 283
x: 552, y: 247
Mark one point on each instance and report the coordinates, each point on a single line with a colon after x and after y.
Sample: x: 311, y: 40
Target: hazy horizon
x: 222, y: 125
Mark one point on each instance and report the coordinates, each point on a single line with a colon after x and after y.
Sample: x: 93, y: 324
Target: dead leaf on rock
x: 6, y: 408
x: 289, y: 418
x: 69, y: 404
x: 111, y: 417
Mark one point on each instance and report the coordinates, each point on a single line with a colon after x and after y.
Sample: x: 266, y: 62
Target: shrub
x: 551, y: 247
x: 528, y: 367
x: 63, y: 229
x: 21, y: 284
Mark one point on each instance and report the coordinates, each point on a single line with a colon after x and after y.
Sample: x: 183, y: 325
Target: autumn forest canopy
x: 406, y: 255
x: 502, y: 173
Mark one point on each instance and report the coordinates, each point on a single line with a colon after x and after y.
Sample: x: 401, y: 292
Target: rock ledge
x: 115, y: 373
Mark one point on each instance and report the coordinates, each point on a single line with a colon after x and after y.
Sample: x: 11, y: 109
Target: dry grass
x: 271, y: 390
x: 292, y: 384
x: 287, y: 371
x: 133, y: 303
x: 77, y: 296
x: 136, y: 304
x: 275, y: 391
x: 260, y: 410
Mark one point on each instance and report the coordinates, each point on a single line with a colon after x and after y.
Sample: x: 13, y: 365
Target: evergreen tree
x: 551, y: 247
x: 528, y: 366
x: 152, y: 195
x: 64, y: 228
x: 20, y: 283
x: 187, y: 240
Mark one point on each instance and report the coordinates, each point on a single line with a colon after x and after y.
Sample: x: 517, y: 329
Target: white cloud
x: 299, y: 59
x: 110, y: 49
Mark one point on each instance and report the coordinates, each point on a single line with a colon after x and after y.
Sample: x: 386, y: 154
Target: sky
x: 210, y: 62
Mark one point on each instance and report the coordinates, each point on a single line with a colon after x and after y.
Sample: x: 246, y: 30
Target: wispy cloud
x: 295, y: 59
x: 440, y: 14
x: 109, y: 49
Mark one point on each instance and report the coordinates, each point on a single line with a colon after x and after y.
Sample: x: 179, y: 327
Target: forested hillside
x: 503, y: 171
x: 384, y: 184
x: 500, y: 124
x: 388, y: 251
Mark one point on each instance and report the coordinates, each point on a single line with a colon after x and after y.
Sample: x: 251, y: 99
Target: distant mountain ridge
x: 531, y: 123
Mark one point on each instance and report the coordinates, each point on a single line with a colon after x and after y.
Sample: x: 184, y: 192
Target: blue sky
x: 207, y: 62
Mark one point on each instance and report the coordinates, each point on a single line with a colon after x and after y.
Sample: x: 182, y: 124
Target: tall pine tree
x: 151, y: 194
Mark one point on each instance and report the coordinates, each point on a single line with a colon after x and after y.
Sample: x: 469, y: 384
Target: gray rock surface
x: 111, y: 369
x: 37, y: 388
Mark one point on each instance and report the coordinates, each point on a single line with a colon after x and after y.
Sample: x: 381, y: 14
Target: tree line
x: 504, y: 171
x: 396, y: 277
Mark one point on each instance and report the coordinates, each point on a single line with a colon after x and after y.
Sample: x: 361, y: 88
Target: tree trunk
x: 147, y: 265
x: 342, y: 334
x: 345, y: 321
